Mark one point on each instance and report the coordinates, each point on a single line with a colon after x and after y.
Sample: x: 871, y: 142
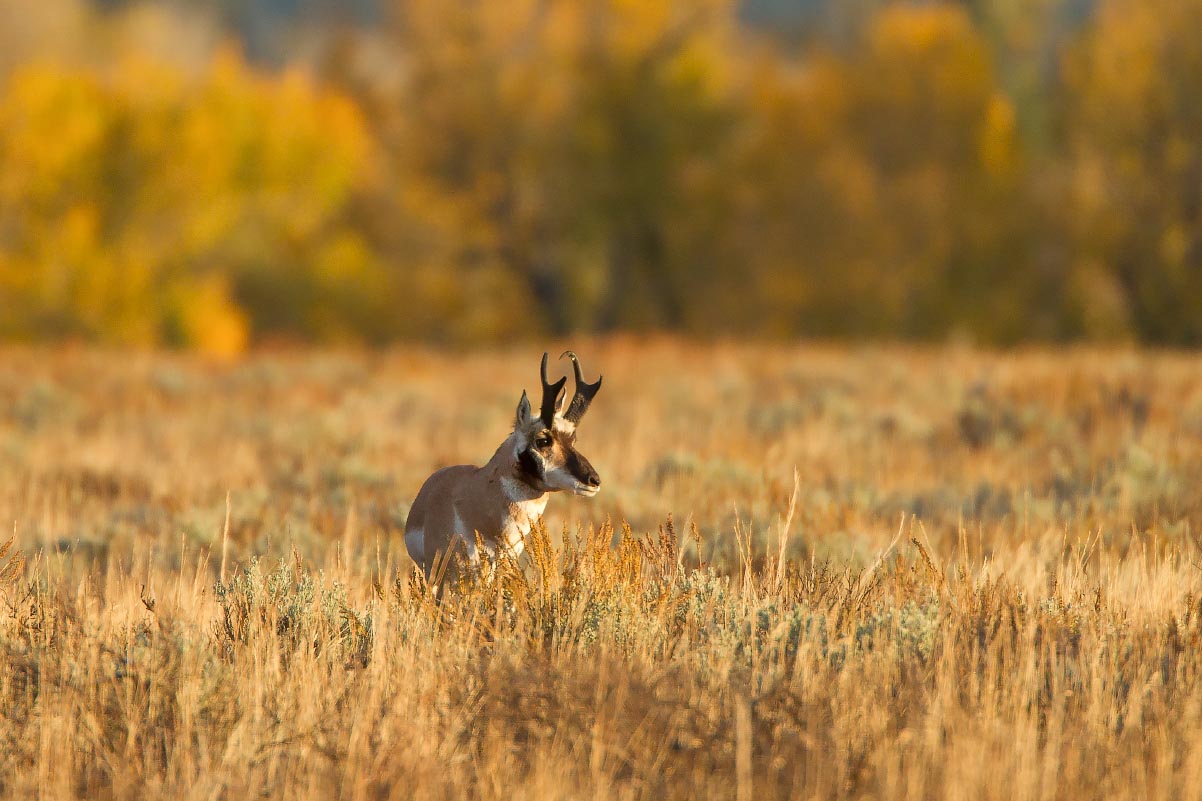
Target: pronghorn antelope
x: 501, y: 500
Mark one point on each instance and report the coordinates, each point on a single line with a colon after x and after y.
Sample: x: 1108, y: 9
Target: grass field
x: 983, y: 583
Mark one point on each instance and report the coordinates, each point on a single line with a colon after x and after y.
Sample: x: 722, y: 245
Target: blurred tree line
x: 470, y: 171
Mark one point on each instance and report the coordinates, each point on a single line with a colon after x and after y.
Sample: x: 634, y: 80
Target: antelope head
x: 545, y: 445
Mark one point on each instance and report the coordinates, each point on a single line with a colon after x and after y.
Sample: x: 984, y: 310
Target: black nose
x: 592, y: 479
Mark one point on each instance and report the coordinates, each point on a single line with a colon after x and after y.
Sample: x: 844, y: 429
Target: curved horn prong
x: 584, y: 391
x: 550, y: 395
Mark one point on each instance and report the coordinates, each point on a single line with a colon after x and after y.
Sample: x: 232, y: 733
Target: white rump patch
x: 415, y: 544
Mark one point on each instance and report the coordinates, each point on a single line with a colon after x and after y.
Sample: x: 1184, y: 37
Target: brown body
x: 501, y: 501
x: 457, y: 502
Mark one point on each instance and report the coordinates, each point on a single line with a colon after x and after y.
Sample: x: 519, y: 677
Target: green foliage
x: 295, y: 606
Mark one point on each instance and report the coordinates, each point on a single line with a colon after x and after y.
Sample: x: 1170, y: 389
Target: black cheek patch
x: 530, y: 466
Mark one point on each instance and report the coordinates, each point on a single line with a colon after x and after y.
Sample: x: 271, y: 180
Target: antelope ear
x: 524, y: 416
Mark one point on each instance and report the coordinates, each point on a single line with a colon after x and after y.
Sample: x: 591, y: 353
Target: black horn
x: 584, y: 392
x: 550, y: 395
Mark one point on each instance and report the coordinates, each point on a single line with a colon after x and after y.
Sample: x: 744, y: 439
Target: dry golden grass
x: 989, y: 585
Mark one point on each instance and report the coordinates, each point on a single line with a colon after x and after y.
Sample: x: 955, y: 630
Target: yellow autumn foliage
x: 140, y: 195
x: 480, y: 171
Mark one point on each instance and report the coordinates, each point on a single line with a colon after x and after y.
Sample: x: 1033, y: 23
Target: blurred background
x: 465, y: 172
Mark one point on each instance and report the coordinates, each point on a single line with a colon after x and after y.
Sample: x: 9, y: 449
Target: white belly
x: 516, y: 543
x: 468, y: 543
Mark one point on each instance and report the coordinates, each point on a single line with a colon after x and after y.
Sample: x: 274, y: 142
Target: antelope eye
x: 542, y: 442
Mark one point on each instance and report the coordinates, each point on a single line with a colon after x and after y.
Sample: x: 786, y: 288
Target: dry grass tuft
x: 1029, y: 629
